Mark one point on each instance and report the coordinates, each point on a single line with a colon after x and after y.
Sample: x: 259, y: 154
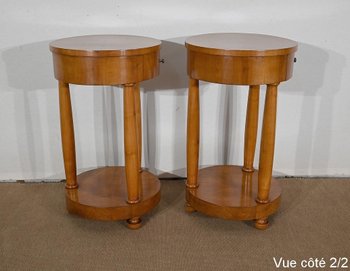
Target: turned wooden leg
x: 192, y: 134
x: 132, y: 172
x: 130, y: 145
x: 192, y: 137
x: 267, y: 147
x: 67, y: 136
x: 251, y: 128
x: 267, y: 144
x: 137, y: 100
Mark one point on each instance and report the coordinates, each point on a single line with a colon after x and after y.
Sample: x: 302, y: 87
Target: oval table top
x: 105, y: 45
x: 241, y: 44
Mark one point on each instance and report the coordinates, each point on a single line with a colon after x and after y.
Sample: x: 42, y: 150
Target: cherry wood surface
x: 132, y: 168
x: 251, y: 128
x: 230, y: 193
x: 192, y: 134
x: 109, y: 193
x: 102, y: 195
x: 241, y: 44
x: 67, y: 135
x: 105, y: 45
x: 233, y: 192
x: 263, y: 62
x: 105, y: 59
x: 267, y: 146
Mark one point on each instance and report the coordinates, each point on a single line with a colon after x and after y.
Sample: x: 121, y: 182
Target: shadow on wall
x: 173, y: 79
x: 317, y: 73
x: 227, y: 127
x: 29, y: 67
x: 29, y: 70
x: 108, y: 128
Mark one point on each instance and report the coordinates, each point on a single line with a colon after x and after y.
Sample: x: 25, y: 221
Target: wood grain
x: 267, y: 145
x: 102, y: 195
x: 230, y: 64
x: 251, y: 128
x: 137, y: 102
x: 131, y: 145
x: 67, y: 136
x: 192, y: 133
x: 97, y: 62
x: 241, y: 44
x: 105, y: 45
x: 228, y: 192
x: 228, y: 69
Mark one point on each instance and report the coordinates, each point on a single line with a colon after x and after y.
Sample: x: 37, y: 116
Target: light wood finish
x: 136, y: 222
x: 105, y: 59
x: 105, y: 45
x: 238, y: 191
x: 67, y: 136
x: 131, y: 146
x: 241, y: 59
x: 241, y: 44
x: 102, y: 195
x: 266, y: 60
x: 251, y: 128
x: 109, y: 193
x: 192, y: 134
x: 137, y: 101
x: 267, y: 143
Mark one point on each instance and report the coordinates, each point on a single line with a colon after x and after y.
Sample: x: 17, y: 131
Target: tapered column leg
x: 267, y: 151
x: 131, y: 152
x: 137, y: 101
x: 67, y: 136
x: 192, y: 137
x: 251, y: 128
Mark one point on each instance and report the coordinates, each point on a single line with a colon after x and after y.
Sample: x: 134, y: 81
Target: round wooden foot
x: 262, y: 223
x: 189, y: 208
x: 134, y: 223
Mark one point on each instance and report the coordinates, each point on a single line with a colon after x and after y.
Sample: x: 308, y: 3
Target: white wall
x: 313, y: 126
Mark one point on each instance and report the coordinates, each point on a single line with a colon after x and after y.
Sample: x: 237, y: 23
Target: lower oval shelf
x: 228, y: 192
x: 102, y: 195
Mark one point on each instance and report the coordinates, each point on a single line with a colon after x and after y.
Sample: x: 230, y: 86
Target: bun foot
x: 134, y: 223
x: 262, y: 223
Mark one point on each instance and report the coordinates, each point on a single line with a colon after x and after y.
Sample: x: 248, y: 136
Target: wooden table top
x: 241, y: 44
x: 105, y: 45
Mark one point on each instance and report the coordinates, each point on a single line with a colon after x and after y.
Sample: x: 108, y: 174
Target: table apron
x: 116, y: 70
x: 240, y: 70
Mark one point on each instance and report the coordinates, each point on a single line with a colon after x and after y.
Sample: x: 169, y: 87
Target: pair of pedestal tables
x: 127, y: 193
